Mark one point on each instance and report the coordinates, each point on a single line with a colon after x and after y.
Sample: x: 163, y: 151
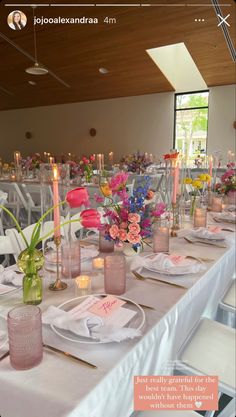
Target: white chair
x: 75, y: 229
x: 228, y: 305
x: 210, y: 350
x: 32, y: 195
x: 15, y: 202
x: 165, y: 413
x: 18, y: 242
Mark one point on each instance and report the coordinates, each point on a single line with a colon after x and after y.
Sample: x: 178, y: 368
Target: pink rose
x: 114, y: 231
x: 134, y: 228
x: 122, y: 235
x: 123, y: 225
x: 133, y: 238
x: 134, y: 218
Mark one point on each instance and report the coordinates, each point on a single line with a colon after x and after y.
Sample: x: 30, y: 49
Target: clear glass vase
x: 30, y: 262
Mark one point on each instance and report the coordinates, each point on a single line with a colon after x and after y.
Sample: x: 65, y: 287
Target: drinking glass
x: 161, y: 236
x: 70, y: 259
x: 105, y: 245
x: 115, y: 274
x: 200, y: 217
x: 25, y: 336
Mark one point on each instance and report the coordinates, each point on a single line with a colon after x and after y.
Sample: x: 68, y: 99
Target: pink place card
x: 106, y: 306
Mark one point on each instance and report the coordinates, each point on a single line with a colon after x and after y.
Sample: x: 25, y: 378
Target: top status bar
x: 115, y: 5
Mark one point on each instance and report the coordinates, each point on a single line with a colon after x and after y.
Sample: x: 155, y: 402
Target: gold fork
x: 205, y: 243
x: 141, y: 278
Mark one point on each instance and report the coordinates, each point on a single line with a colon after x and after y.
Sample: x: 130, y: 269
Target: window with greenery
x: 191, y: 123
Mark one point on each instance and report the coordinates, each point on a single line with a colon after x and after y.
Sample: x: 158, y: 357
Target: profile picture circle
x: 16, y: 20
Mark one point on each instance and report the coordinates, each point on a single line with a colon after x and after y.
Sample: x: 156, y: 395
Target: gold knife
x: 68, y: 355
x: 141, y: 278
x: 4, y: 356
x: 205, y: 243
x: 130, y: 302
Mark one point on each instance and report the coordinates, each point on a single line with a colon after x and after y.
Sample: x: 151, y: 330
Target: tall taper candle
x: 175, y: 182
x: 57, y: 232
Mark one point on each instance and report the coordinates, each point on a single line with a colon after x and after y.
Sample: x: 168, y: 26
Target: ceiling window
x: 191, y: 124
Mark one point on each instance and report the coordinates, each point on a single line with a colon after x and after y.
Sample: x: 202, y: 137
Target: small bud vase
x: 30, y: 262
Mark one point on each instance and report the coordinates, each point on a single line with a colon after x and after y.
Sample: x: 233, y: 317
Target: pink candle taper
x: 57, y: 232
x: 175, y: 183
x: 210, y: 168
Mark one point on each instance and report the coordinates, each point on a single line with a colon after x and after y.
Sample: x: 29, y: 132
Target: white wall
x: 222, y: 114
x: 123, y: 125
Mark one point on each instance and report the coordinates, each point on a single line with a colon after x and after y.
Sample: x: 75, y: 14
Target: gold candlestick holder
x: 58, y: 285
x: 176, y: 219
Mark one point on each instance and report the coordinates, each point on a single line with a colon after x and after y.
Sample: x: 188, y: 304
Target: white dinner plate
x: 136, y: 322
x: 177, y: 269
x: 3, y: 331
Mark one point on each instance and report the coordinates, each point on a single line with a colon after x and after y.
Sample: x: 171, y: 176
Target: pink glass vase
x: 25, y: 336
x: 70, y: 259
x: 105, y: 245
x: 115, y: 274
x: 161, y: 237
x: 200, y: 217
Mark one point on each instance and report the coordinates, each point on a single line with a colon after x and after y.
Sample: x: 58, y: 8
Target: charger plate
x: 137, y: 322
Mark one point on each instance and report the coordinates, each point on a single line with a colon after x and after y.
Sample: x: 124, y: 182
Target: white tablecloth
x: 59, y: 387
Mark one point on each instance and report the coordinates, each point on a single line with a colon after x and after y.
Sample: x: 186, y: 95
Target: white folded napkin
x: 167, y: 264
x: 91, y: 326
x: 231, y: 208
x: 226, y: 215
x: 211, y: 233
x: 10, y: 276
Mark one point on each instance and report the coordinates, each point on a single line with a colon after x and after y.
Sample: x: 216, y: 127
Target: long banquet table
x: 59, y: 387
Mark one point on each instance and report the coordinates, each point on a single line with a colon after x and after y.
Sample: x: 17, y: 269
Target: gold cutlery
x: 205, y: 243
x: 4, y: 356
x: 130, y: 302
x: 199, y: 258
x: 228, y: 230
x: 141, y: 278
x: 68, y: 355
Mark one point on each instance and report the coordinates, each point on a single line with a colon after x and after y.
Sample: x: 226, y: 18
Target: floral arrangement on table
x: 74, y: 169
x: 32, y: 162
x: 86, y: 166
x: 135, y: 162
x: 171, y: 156
x: 31, y: 260
x: 130, y: 219
x: 198, y: 185
x: 227, y: 185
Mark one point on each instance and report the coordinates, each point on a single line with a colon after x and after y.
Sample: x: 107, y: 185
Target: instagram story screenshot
x: 117, y: 208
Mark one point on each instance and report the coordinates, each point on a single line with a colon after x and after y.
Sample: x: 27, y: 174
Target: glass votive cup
x: 216, y: 204
x: 98, y: 264
x: 83, y: 285
x: 161, y: 238
x: 115, y: 274
x: 105, y: 245
x: 70, y: 259
x: 25, y: 336
x: 200, y: 217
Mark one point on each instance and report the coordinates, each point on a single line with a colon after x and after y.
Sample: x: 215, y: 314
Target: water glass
x: 70, y: 259
x: 161, y: 237
x: 200, y: 217
x: 105, y: 245
x: 216, y: 204
x: 115, y: 274
x: 25, y: 336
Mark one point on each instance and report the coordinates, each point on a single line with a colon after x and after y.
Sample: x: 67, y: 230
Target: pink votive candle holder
x: 200, y: 217
x: 25, y: 336
x: 115, y: 274
x: 105, y: 245
x: 70, y: 259
x: 216, y: 204
x: 161, y: 237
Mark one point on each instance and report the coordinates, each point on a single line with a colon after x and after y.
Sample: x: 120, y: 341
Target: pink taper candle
x: 57, y: 232
x: 175, y: 183
x: 210, y: 168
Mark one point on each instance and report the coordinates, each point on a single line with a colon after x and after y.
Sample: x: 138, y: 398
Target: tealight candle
x: 98, y: 263
x: 83, y: 283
